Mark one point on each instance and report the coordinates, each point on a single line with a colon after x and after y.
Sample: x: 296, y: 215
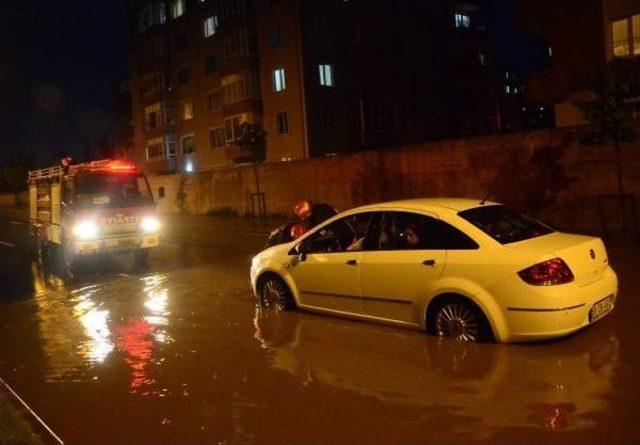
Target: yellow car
x: 467, y: 269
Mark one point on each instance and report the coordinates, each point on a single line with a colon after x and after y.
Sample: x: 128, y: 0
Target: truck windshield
x: 504, y: 225
x: 113, y: 190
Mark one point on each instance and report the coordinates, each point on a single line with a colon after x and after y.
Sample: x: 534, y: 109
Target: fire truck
x: 97, y: 207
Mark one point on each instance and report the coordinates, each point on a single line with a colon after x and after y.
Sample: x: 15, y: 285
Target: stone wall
x: 535, y: 172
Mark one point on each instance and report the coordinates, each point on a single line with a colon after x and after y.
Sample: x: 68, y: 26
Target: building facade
x: 582, y: 35
x: 321, y: 77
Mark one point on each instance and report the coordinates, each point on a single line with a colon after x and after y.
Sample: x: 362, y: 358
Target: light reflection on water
x: 79, y: 331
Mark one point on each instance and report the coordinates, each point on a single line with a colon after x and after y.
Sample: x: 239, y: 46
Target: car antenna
x: 486, y: 195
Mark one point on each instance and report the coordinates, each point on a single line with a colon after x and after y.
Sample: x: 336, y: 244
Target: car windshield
x: 113, y: 190
x: 504, y: 225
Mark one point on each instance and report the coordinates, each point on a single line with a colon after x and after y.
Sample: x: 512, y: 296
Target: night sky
x: 61, y: 62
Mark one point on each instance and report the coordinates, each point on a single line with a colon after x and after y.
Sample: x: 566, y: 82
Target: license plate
x: 600, y: 309
x: 120, y: 242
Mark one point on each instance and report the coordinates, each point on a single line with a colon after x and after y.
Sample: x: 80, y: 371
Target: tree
x: 14, y: 173
x: 609, y: 111
x: 252, y: 140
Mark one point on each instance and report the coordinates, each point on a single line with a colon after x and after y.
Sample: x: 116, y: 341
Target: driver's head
x: 303, y: 210
x: 412, y: 236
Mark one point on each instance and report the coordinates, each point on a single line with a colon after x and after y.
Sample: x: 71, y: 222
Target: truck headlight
x: 149, y: 224
x: 86, y: 229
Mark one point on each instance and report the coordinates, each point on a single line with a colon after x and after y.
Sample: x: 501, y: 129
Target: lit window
x: 326, y: 75
x: 462, y: 20
x: 507, y: 89
x: 550, y: 51
x: 177, y: 8
x: 279, y: 79
x: 188, y: 167
x: 282, y: 123
x: 188, y: 144
x: 635, y: 25
x: 210, y: 26
x: 217, y: 138
x: 232, y: 128
x: 481, y: 59
x: 187, y: 111
x: 621, y: 42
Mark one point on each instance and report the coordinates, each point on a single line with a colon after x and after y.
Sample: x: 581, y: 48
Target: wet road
x: 179, y: 353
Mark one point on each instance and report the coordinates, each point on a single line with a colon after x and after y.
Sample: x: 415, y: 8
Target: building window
x: 232, y: 128
x: 210, y: 64
x: 180, y: 41
x: 153, y: 116
x: 155, y: 149
x: 621, y: 42
x: 210, y: 26
x: 240, y: 86
x: 186, y: 111
x: 282, y: 123
x: 188, y: 144
x: 326, y: 75
x: 279, y: 79
x: 177, y: 8
x: 461, y: 20
x: 275, y: 36
x: 161, y: 192
x: 183, y: 76
x: 626, y: 36
x: 214, y: 101
x: 151, y: 15
x: 217, y: 137
x: 635, y: 29
x: 329, y: 119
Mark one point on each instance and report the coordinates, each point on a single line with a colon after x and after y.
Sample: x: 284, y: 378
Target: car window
x: 344, y: 235
x: 504, y: 225
x: 412, y: 231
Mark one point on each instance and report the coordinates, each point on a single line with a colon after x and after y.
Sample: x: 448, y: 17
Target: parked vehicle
x: 97, y: 207
x: 456, y: 267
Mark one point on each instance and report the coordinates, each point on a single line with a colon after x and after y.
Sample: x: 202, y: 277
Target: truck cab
x: 97, y: 207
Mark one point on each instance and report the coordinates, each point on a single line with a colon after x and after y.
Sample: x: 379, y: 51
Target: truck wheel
x: 140, y: 258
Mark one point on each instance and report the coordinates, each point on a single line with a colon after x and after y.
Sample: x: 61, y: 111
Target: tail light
x: 547, y: 273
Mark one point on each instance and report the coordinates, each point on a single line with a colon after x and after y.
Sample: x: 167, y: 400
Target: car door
x: 327, y: 273
x: 403, y: 268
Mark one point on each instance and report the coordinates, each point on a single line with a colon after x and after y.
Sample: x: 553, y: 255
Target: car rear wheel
x: 274, y: 294
x: 461, y: 320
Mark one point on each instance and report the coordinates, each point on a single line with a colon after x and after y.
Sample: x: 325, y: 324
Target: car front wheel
x: 274, y: 294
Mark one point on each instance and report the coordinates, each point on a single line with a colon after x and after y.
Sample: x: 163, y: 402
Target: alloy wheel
x: 457, y: 321
x: 274, y: 295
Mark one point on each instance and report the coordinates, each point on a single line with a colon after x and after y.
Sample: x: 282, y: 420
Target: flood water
x: 180, y: 353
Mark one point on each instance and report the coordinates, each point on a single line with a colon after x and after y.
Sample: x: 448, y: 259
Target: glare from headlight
x: 86, y: 229
x: 149, y: 224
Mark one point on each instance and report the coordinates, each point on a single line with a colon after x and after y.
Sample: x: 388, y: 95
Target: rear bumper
x: 528, y: 324
x: 115, y: 244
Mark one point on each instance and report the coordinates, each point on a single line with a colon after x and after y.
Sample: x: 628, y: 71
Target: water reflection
x: 138, y: 335
x: 95, y: 321
x: 471, y: 389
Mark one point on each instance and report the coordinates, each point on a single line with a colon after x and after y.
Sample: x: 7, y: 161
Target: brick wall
x: 534, y: 172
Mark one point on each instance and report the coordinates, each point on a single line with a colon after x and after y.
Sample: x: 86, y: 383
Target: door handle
x: 352, y: 262
x: 430, y: 263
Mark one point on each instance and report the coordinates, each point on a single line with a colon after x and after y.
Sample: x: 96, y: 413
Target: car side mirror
x: 302, y: 257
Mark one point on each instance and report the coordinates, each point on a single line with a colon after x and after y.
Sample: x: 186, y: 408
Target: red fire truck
x: 97, y: 207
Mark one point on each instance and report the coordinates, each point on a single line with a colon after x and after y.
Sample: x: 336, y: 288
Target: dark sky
x: 61, y: 62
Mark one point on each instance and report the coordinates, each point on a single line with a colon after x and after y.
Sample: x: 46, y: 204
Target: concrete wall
x: 534, y: 172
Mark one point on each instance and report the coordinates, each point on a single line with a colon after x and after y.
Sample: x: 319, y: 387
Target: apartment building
x: 582, y: 35
x: 322, y: 77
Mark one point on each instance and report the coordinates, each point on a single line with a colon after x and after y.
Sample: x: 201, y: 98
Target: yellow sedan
x: 459, y: 268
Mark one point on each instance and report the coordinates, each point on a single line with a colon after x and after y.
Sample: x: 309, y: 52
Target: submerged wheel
x: 459, y: 319
x: 274, y: 294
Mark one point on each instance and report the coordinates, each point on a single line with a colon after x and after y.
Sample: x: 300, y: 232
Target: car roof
x: 455, y: 204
